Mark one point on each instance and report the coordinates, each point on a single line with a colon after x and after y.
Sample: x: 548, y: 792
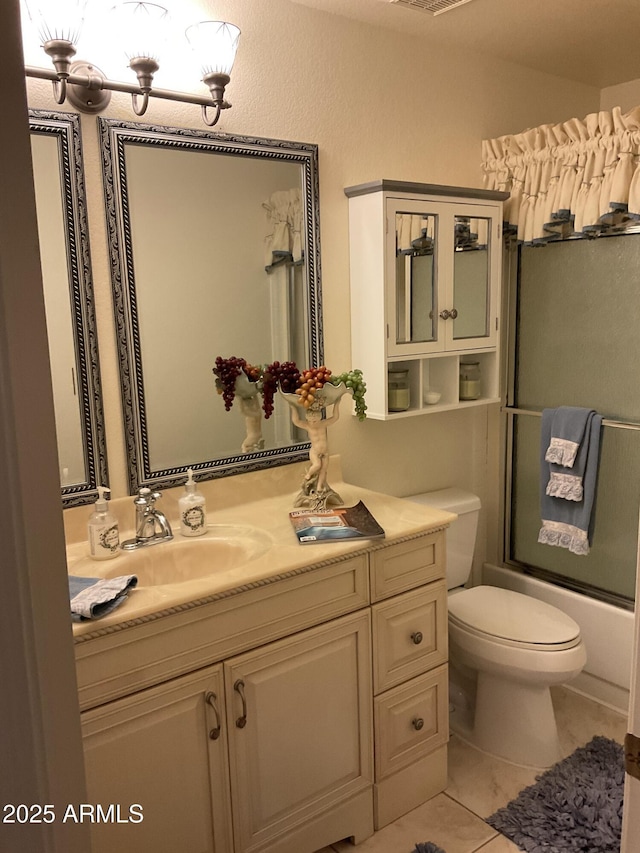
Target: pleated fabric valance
x: 580, y: 177
x: 283, y: 243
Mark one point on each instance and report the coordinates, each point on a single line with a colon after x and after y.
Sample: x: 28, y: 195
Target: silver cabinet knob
x: 417, y: 637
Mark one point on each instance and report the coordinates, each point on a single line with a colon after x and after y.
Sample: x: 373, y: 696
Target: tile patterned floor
x: 479, y: 784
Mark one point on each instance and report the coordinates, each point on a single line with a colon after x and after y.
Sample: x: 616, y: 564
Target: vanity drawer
x: 409, y: 635
x: 407, y: 565
x: 411, y: 721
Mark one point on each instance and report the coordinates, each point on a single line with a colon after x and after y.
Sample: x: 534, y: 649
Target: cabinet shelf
x: 425, y: 259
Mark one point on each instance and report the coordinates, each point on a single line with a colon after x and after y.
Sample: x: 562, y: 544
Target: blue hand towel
x: 567, y: 519
x: 573, y: 422
x: 567, y: 432
x: 91, y: 598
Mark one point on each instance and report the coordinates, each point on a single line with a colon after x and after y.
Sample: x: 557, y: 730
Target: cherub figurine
x: 315, y: 491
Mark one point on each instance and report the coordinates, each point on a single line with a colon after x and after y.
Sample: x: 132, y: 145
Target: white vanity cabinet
x: 425, y: 267
x: 276, y: 718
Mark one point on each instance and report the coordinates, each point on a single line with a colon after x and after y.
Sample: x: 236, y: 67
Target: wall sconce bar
x: 90, y: 91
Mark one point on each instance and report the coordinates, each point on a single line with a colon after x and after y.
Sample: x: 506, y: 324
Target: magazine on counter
x: 345, y: 522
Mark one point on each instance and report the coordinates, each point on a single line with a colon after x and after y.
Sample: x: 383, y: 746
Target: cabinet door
x: 300, y: 731
x: 163, y: 749
x: 443, y: 274
x: 413, y: 274
x: 472, y: 292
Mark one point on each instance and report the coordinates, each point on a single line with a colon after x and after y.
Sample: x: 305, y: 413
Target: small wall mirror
x: 214, y: 242
x: 69, y: 304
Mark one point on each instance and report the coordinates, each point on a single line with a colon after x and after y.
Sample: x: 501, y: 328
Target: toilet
x: 506, y: 650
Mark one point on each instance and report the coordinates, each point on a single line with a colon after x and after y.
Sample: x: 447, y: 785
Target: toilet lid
x: 515, y: 618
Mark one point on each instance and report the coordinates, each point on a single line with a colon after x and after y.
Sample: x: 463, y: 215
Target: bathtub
x: 607, y: 632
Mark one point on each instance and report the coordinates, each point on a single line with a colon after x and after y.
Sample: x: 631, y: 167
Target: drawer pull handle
x: 241, y: 721
x: 417, y: 723
x: 210, y: 699
x: 417, y: 637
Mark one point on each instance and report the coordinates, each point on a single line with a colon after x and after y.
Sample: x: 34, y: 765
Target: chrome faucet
x: 152, y: 525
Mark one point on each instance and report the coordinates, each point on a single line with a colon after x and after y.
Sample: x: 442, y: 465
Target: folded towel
x: 567, y: 432
x: 567, y: 521
x: 91, y: 598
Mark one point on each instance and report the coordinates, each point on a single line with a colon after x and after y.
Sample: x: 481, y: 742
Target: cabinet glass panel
x: 415, y: 277
x: 471, y: 278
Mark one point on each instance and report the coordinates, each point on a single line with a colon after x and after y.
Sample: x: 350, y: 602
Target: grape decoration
x: 227, y: 371
x: 310, y: 383
x: 286, y: 376
x: 355, y: 383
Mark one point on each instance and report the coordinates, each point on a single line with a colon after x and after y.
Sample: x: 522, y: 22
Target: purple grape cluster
x: 227, y: 371
x: 285, y: 375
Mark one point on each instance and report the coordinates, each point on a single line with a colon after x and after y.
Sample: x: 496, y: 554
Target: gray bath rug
x: 428, y: 847
x: 575, y: 806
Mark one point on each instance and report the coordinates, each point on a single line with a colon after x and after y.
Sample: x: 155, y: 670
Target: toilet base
x: 515, y: 721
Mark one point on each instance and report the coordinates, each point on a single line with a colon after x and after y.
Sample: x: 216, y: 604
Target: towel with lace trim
x: 567, y: 498
x: 568, y: 448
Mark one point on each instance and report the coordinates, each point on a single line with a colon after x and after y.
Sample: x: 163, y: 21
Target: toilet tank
x: 461, y: 534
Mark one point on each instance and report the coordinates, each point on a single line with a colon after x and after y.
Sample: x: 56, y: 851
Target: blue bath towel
x: 567, y: 517
x: 91, y: 598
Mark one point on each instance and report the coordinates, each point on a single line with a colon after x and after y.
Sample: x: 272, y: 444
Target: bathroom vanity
x: 277, y: 705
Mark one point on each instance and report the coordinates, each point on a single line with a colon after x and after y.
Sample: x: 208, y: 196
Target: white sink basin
x: 180, y: 560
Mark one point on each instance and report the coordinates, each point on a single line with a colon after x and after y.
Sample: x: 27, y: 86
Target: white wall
x: 379, y: 105
x: 625, y: 95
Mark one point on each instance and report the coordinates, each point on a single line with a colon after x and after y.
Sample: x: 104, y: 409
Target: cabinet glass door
x: 415, y: 277
x: 471, y: 277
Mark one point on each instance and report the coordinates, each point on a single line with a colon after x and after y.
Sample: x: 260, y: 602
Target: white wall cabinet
x: 293, y: 732
x: 425, y: 267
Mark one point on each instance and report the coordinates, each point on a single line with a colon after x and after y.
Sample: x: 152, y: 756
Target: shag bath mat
x: 428, y: 847
x: 575, y: 806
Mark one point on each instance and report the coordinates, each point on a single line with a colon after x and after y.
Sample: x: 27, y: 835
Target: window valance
x: 579, y: 177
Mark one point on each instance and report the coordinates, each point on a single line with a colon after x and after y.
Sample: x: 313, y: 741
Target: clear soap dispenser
x: 102, y: 528
x: 193, y: 509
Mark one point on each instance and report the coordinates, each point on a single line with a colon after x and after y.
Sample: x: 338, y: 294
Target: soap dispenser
x: 193, y: 510
x: 102, y: 528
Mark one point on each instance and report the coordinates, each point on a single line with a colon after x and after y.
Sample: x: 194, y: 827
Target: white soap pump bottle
x: 102, y: 528
x: 193, y: 509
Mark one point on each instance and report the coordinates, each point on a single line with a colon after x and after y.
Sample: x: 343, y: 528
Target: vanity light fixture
x: 144, y: 28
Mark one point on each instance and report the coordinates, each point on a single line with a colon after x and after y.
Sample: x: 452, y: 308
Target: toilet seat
x: 513, y: 619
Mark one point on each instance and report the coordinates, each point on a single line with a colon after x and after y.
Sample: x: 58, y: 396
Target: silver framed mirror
x: 69, y: 303
x: 204, y: 263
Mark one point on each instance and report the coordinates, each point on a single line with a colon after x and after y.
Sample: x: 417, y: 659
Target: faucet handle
x: 145, y: 497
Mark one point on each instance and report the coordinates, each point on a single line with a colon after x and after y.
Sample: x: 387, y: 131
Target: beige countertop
x: 261, y: 500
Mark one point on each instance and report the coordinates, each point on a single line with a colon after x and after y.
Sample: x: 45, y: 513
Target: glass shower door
x: 577, y: 343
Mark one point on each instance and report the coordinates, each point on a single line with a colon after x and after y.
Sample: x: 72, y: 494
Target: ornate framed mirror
x: 215, y: 251
x: 69, y: 303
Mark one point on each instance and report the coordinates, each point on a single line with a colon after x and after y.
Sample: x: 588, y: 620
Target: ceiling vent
x: 432, y: 7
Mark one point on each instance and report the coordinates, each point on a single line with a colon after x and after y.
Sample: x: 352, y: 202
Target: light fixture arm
x: 145, y: 68
x: 60, y: 52
x: 216, y: 83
